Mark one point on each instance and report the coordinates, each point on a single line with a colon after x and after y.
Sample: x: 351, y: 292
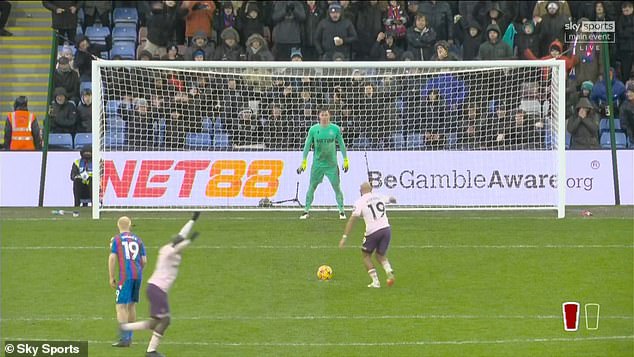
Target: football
x: 324, y: 272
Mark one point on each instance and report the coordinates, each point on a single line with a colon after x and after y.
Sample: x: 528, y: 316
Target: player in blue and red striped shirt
x: 128, y: 252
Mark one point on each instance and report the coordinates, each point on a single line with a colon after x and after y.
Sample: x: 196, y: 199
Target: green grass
x: 468, y: 284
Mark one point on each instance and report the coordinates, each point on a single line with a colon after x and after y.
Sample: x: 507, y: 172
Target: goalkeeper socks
x: 373, y: 275
x: 154, y: 342
x: 387, y: 267
x: 186, y: 229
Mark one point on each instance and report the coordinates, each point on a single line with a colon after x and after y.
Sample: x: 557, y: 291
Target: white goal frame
x: 556, y: 66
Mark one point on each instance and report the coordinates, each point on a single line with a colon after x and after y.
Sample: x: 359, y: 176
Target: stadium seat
x: 221, y: 140
x: 79, y: 31
x: 124, y: 34
x: 97, y: 34
x: 415, y: 141
x: 82, y: 139
x: 208, y: 125
x: 361, y: 143
x: 604, y: 124
x: 58, y: 141
x: 115, y: 124
x: 568, y: 140
x: 114, y: 140
x: 620, y: 140
x: 125, y: 15
x: 198, y: 141
x: 218, y: 126
x: 124, y: 49
x: 452, y: 141
x: 112, y: 107
x: 398, y: 141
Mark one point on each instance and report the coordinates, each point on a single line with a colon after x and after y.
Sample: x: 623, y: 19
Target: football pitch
x: 467, y: 284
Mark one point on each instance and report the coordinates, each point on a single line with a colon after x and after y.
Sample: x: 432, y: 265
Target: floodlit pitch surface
x: 467, y: 284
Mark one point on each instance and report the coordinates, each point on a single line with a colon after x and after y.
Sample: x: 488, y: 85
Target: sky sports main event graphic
x: 589, y: 32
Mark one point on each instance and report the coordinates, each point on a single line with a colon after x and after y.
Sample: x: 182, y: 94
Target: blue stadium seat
x: 568, y: 140
x: 114, y: 140
x: 112, y: 107
x: 218, y: 125
x: 361, y: 143
x: 85, y: 85
x: 82, y: 139
x: 115, y: 124
x: 604, y: 124
x: 221, y: 140
x: 620, y: 140
x: 79, y: 31
x: 398, y: 141
x: 415, y: 142
x: 127, y: 50
x: 60, y: 141
x: 125, y: 15
x: 452, y: 141
x: 124, y: 34
x: 208, y: 125
x: 198, y: 141
x: 97, y: 34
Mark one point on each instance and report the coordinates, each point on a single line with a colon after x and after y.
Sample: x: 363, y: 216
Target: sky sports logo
x: 590, y: 32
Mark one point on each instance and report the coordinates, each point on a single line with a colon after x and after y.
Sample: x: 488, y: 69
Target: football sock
x: 373, y: 275
x: 139, y: 325
x: 387, y: 266
x: 128, y: 335
x: 186, y: 229
x: 154, y: 342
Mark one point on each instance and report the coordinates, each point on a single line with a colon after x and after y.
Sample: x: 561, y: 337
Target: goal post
x: 465, y: 135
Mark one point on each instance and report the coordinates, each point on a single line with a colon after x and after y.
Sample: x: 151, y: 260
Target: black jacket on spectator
x: 161, y: 25
x: 585, y: 132
x: 288, y: 17
x: 83, y: 59
x: 247, y: 26
x: 63, y: 116
x: 65, y: 20
x: 626, y: 112
x: 439, y: 18
x: 581, y: 9
x: 70, y: 81
x: 327, y: 30
x: 226, y: 53
x: 421, y: 44
x: 84, y: 117
x: 625, y: 44
x: 470, y: 44
x: 368, y: 26
x: 313, y: 17
x: 381, y: 49
x: 525, y: 40
x: 552, y: 28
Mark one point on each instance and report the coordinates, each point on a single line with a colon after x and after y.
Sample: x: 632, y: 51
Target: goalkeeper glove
x: 302, y: 167
x: 346, y: 164
x: 195, y: 216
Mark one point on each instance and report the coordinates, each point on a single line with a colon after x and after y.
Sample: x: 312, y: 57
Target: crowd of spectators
x: 357, y: 31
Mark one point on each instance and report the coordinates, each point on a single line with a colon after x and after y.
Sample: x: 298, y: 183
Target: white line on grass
x: 369, y: 344
x: 318, y: 317
x: 431, y: 246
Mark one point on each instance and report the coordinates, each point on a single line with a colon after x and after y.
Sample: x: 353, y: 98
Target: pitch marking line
x: 459, y: 246
x: 319, y: 317
x: 370, y: 344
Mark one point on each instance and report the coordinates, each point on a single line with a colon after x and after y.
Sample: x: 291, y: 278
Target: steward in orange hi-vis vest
x: 22, y: 131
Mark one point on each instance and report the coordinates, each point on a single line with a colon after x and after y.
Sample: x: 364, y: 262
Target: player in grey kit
x: 160, y: 282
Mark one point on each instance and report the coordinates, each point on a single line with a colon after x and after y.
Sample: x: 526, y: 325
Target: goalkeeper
x: 322, y: 138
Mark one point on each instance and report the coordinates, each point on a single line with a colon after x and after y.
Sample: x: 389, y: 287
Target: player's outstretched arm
x: 346, y: 231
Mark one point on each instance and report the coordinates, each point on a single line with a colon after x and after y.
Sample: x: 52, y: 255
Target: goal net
x: 229, y: 135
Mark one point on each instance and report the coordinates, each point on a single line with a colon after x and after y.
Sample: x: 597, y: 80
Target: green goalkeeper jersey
x: 323, y: 140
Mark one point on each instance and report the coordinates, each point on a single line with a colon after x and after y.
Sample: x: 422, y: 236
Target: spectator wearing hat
x: 541, y: 7
x: 200, y: 42
x: 63, y: 113
x: 555, y: 51
x: 599, y: 95
x: 64, y: 18
x: 527, y: 38
x: 469, y: 37
x: 552, y: 27
x: 229, y: 48
x: 368, y: 25
x: 172, y: 54
x: 625, y: 39
x: 65, y: 77
x: 626, y: 112
x: 288, y: 17
x: 257, y: 49
x: 421, y: 39
x: 334, y: 34
x: 81, y: 175
x: 296, y: 55
x: 314, y: 14
x: 198, y: 55
x: 573, y: 96
x: 84, y: 112
x: 442, y: 52
x: 21, y: 130
x: 199, y: 18
x: 584, y: 126
x: 494, y: 48
x: 385, y: 48
x: 145, y: 56
x: 250, y: 22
